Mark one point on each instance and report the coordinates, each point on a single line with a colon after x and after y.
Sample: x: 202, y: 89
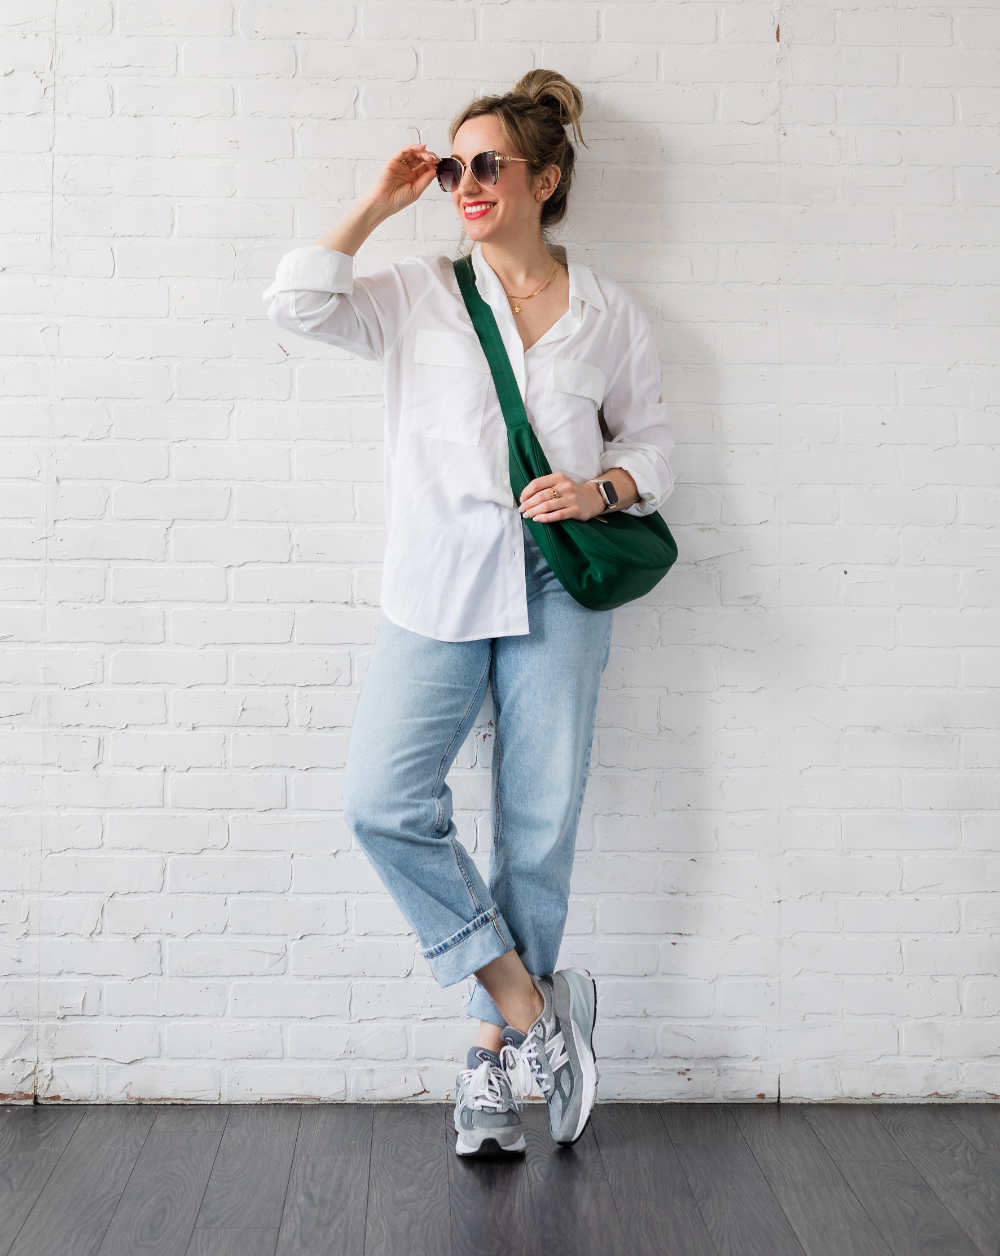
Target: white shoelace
x: 481, y: 1087
x: 522, y: 1067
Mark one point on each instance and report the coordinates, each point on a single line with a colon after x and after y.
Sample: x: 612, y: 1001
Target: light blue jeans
x: 419, y: 699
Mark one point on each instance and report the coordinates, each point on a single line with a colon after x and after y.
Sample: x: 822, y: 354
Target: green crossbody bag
x: 603, y: 562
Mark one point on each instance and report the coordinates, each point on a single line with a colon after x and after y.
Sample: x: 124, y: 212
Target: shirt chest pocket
x: 578, y: 378
x: 578, y: 389
x: 448, y: 384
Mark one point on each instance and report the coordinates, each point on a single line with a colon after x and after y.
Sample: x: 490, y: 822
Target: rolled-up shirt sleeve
x: 636, y: 417
x: 315, y: 293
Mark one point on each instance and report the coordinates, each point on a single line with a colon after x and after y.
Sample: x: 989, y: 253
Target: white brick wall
x: 789, y: 854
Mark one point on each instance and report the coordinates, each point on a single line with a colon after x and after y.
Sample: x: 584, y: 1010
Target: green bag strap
x: 511, y: 402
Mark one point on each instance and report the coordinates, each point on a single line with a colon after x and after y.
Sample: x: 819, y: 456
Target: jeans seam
x: 440, y: 773
x: 498, y: 751
x: 467, y: 930
x: 454, y: 843
x: 585, y: 774
x: 497, y: 810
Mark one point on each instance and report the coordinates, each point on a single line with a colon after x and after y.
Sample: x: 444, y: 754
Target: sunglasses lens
x: 449, y: 174
x: 484, y: 167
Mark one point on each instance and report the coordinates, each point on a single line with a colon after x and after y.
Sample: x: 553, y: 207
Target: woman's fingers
x: 419, y: 150
x: 409, y: 159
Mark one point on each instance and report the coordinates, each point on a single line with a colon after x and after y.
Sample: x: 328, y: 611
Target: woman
x: 467, y: 598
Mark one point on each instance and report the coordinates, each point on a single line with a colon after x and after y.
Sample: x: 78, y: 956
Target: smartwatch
x: 608, y: 491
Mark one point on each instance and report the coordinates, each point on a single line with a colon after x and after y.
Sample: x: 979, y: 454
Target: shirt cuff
x: 641, y: 469
x: 314, y: 268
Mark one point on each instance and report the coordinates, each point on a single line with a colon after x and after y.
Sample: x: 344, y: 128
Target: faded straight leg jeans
x: 419, y: 699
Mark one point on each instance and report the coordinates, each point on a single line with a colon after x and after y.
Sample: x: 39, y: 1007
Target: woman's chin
x: 480, y: 225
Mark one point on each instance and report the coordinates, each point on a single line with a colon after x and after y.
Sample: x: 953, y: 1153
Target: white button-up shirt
x: 454, y: 558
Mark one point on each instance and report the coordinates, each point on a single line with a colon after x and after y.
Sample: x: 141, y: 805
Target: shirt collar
x: 583, y: 286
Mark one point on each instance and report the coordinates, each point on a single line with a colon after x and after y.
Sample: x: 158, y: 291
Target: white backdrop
x: 788, y: 857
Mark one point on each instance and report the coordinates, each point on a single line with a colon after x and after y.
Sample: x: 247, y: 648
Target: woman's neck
x: 519, y: 268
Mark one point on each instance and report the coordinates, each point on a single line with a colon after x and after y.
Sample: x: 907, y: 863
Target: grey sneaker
x: 557, y: 1051
x: 487, y: 1117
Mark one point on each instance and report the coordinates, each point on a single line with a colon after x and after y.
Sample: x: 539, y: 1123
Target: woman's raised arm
x: 315, y: 293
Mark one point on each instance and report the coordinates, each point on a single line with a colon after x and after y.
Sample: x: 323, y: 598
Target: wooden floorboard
x: 826, y: 1215
x: 408, y: 1198
x: 32, y: 1140
x: 327, y: 1201
x: 158, y: 1208
x: 740, y: 1210
x: 655, y: 1202
x: 573, y: 1205
x: 964, y: 1178
x: 383, y: 1179
x: 909, y: 1215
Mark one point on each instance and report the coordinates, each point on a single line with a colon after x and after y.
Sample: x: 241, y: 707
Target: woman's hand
x: 578, y: 499
x: 404, y: 179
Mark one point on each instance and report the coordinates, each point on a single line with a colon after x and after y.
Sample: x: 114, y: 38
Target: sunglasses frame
x: 501, y: 158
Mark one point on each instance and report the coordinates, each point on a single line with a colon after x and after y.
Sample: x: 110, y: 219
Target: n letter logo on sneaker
x: 556, y: 1051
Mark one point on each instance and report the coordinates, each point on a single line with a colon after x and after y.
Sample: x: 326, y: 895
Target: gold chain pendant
x: 517, y: 309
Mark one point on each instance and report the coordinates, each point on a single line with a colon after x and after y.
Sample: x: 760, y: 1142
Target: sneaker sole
x: 488, y: 1143
x: 581, y: 1011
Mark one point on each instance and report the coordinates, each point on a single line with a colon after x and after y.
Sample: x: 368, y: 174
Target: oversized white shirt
x: 454, y: 557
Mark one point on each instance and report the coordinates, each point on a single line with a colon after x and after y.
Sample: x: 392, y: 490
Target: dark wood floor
x: 358, y: 1179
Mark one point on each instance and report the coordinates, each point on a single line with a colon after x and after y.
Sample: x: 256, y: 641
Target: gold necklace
x: 517, y: 308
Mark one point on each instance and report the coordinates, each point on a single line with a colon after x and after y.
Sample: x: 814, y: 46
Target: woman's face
x: 514, y: 209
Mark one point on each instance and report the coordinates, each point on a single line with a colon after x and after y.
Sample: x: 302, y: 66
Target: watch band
x: 610, y: 499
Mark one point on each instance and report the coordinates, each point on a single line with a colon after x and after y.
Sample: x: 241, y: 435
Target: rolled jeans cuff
x: 486, y: 937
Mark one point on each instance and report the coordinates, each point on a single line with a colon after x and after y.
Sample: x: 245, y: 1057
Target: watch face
x: 611, y: 491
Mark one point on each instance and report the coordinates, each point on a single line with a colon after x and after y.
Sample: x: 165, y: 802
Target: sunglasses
x: 484, y: 166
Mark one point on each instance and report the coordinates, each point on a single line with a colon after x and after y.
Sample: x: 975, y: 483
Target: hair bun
x: 556, y: 104
x: 552, y: 91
